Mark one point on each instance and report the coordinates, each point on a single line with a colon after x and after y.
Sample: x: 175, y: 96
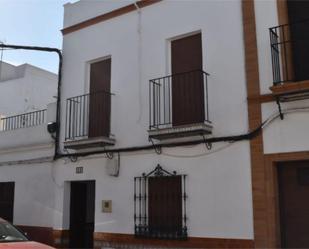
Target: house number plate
x: 79, y: 170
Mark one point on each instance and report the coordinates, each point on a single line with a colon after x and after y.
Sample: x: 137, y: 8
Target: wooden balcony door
x: 298, y: 11
x: 100, y: 99
x: 187, y: 89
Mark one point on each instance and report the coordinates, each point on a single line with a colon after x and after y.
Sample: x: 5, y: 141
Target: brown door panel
x: 100, y: 99
x: 298, y: 11
x: 294, y: 204
x: 187, y: 88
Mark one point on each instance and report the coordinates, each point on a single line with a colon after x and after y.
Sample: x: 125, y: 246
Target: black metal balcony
x: 290, y: 52
x: 23, y: 120
x: 88, y: 116
x: 178, y: 100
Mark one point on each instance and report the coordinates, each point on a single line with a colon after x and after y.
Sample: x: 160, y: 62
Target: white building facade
x: 27, y: 104
x: 25, y: 83
x: 170, y: 132
x: 148, y: 41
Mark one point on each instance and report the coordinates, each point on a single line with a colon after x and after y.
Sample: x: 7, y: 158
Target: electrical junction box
x: 113, y: 165
x: 106, y: 206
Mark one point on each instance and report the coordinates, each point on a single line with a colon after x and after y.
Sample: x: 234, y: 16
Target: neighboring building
x: 170, y: 130
x: 27, y: 104
x: 280, y: 165
x: 22, y: 88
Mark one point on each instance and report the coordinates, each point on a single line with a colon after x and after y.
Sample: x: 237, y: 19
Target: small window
x: 160, y: 205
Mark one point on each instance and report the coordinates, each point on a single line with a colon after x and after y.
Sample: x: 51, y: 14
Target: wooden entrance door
x: 7, y: 200
x: 294, y: 204
x: 82, y: 214
x: 298, y: 11
x: 187, y: 88
x: 100, y: 99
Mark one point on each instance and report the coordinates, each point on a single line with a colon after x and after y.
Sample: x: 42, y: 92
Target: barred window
x: 160, y: 205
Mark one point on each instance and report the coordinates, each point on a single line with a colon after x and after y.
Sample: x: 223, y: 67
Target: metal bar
x: 135, y: 199
x: 207, y: 99
x: 164, y: 99
x: 184, y: 201
x: 285, y: 57
x: 145, y: 201
x: 140, y: 202
x: 150, y: 107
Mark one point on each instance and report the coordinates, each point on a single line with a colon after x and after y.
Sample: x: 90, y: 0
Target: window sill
x: 291, y: 91
x: 181, y: 131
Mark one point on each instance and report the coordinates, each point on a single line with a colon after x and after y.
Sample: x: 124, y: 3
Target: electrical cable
x: 267, y: 122
x: 201, y: 154
x: 231, y: 139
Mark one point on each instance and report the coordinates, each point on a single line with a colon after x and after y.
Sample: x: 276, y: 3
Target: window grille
x: 160, y: 205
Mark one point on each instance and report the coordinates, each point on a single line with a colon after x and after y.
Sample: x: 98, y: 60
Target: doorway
x: 293, y: 180
x: 82, y: 202
x: 7, y: 200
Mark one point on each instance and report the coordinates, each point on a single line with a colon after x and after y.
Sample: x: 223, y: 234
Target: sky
x: 33, y: 23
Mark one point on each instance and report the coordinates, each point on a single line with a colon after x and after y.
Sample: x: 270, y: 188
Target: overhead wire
x: 265, y: 124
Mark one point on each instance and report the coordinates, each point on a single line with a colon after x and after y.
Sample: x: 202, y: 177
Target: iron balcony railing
x: 23, y: 120
x: 289, y: 51
x: 178, y: 99
x: 88, y: 115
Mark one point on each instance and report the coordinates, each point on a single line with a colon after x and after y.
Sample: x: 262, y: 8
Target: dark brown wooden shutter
x: 298, y: 10
x: 187, y: 89
x: 165, y: 204
x: 100, y: 99
x: 7, y: 200
x: 294, y: 204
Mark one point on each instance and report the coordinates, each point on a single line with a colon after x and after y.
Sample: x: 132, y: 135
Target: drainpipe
x: 139, y: 32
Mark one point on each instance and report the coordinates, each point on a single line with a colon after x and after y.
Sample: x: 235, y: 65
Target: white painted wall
x: 222, y: 58
x: 265, y: 17
x: 219, y: 185
x: 219, y: 198
x: 28, y: 143
x: 26, y: 157
x: 290, y: 134
x: 90, y: 9
x: 25, y: 88
x: 34, y: 203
